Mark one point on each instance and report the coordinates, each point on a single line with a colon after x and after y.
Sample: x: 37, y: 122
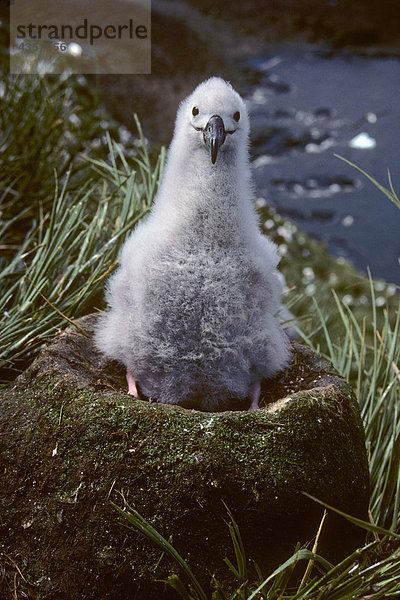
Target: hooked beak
x: 214, y: 135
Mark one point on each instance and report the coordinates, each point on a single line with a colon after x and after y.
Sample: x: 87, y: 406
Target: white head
x: 213, y: 121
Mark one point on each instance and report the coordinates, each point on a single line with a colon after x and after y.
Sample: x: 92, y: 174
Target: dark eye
x: 195, y: 111
x: 236, y: 116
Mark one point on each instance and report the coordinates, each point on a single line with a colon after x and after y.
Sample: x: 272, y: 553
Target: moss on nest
x: 72, y: 440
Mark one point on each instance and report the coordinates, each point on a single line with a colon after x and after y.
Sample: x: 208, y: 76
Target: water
x: 304, y: 109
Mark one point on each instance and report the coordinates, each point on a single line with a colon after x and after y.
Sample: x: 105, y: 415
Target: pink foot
x: 132, y: 389
x: 255, y: 391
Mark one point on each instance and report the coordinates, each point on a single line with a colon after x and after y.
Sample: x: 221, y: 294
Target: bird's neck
x: 198, y: 190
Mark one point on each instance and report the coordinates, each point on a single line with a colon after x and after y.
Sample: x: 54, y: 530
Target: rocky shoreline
x: 195, y: 39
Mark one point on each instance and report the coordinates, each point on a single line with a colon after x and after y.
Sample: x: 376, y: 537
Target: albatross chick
x: 194, y: 302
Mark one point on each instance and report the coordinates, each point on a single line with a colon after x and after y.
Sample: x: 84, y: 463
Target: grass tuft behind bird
x: 78, y: 209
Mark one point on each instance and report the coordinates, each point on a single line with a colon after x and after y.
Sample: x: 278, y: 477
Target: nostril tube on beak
x: 214, y: 135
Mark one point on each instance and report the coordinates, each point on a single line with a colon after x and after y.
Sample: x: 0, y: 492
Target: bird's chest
x: 194, y: 283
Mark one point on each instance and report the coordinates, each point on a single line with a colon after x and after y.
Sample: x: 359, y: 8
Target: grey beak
x: 214, y: 135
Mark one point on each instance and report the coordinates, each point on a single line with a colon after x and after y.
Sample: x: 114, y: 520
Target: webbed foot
x: 132, y: 389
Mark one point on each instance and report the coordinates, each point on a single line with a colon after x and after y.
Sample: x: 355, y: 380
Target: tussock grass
x: 367, y: 354
x: 44, y: 124
x: 372, y: 366
x: 59, y: 248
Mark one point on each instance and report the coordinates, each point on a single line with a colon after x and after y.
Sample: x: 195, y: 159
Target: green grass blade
x: 140, y: 524
x: 355, y: 520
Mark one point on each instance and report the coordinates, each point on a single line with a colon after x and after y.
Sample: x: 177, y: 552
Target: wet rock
x: 277, y: 85
x: 72, y: 440
x: 287, y: 113
x: 324, y: 185
x: 324, y: 113
x: 321, y: 216
x: 278, y: 136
